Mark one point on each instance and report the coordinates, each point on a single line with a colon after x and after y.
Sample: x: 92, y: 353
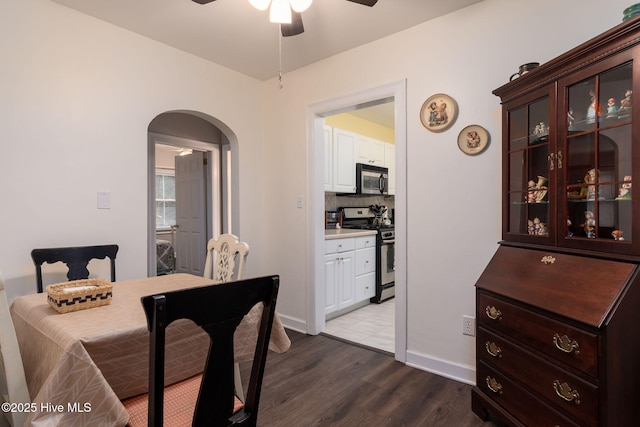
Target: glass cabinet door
x: 596, y: 161
x: 528, y: 185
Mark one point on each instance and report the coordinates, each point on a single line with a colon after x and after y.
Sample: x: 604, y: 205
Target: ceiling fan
x: 296, y: 27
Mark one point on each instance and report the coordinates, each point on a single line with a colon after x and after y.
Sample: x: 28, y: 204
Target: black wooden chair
x: 218, y: 309
x: 76, y: 258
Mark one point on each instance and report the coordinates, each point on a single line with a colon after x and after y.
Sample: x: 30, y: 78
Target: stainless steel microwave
x: 371, y: 179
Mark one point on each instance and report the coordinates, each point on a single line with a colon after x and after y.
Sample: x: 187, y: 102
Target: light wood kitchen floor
x: 372, y: 325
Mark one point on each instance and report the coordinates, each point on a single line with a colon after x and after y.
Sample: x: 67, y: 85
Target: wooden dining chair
x: 220, y: 265
x: 13, y: 385
x: 76, y: 258
x: 222, y: 254
x: 217, y: 309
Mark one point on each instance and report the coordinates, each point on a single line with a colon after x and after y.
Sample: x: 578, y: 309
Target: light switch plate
x: 104, y: 200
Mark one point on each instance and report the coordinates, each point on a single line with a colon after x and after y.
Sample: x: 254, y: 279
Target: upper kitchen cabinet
x: 570, y: 148
x: 343, y: 163
x: 370, y: 151
x: 343, y: 149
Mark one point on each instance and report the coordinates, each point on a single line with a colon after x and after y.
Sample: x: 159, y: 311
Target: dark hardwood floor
x: 322, y: 381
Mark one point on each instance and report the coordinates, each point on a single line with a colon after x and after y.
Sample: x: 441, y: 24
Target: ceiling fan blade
x: 203, y: 1
x: 295, y: 27
x: 369, y: 3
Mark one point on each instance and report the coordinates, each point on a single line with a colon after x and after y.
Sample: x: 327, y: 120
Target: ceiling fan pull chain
x: 280, y: 56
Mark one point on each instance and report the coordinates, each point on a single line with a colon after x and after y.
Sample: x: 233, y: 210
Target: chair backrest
x: 222, y: 254
x: 218, y: 309
x: 13, y: 384
x: 76, y: 258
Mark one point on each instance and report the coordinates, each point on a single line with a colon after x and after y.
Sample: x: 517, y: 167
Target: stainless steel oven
x: 386, y: 265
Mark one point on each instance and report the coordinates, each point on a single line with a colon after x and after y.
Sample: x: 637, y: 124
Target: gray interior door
x: 191, y: 233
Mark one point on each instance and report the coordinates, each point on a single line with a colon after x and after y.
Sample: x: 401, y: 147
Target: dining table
x: 79, y: 365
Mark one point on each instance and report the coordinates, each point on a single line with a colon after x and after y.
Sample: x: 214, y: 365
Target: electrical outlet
x: 469, y: 326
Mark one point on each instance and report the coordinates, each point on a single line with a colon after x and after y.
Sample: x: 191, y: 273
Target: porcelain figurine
x: 594, y: 109
x: 612, y: 108
x: 541, y: 188
x: 625, y: 189
x: 540, y: 228
x: 531, y: 192
x: 541, y: 129
x: 570, y: 119
x: 589, y: 224
x: 617, y: 235
x: 591, y: 178
x: 625, y: 104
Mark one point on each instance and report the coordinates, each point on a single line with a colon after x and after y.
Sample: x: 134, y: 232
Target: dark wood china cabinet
x: 558, y: 306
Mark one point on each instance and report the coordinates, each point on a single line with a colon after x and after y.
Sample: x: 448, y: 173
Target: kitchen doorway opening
x: 191, y: 191
x: 365, y: 312
x: 317, y: 113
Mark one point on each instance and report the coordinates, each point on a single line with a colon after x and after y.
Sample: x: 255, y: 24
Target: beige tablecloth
x: 80, y: 364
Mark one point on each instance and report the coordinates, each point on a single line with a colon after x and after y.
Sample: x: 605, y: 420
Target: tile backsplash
x: 333, y: 201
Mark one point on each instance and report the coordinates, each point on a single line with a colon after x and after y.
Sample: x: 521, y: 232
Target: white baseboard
x: 463, y: 373
x: 293, y: 323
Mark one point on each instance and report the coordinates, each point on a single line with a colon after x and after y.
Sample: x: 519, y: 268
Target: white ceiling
x: 234, y: 34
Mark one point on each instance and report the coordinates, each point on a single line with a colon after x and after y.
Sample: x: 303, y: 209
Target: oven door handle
x: 388, y: 242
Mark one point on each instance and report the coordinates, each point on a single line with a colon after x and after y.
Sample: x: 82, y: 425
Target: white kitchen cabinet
x: 344, y: 164
x: 365, y: 268
x: 365, y: 287
x: 390, y: 163
x: 370, y: 151
x: 328, y: 158
x: 365, y: 261
x: 339, y: 271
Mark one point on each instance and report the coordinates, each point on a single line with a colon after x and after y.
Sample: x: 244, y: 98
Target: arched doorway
x: 189, y: 136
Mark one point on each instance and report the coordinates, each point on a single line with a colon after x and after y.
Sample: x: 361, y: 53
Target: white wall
x: 77, y: 97
x: 453, y: 200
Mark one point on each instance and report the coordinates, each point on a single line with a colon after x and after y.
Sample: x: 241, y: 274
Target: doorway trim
x: 315, y: 213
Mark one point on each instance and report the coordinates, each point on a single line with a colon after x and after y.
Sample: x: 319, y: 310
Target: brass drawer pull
x: 565, y: 344
x: 559, y: 157
x: 494, y: 385
x: 548, y: 259
x: 493, y: 313
x: 493, y: 349
x: 564, y: 391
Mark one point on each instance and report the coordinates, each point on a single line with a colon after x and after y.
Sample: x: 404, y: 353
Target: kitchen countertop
x: 343, y: 233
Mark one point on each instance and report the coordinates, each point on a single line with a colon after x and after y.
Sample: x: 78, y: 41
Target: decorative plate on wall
x: 438, y: 112
x: 473, y: 140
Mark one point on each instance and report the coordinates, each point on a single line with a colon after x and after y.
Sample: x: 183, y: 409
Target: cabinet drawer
x: 527, y: 408
x: 365, y: 261
x: 339, y: 245
x: 365, y: 287
x: 570, y: 394
x: 573, y: 346
x: 366, y: 242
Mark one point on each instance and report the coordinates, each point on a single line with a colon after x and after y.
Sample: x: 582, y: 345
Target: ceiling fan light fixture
x: 280, y: 12
x: 300, y: 5
x: 260, y: 4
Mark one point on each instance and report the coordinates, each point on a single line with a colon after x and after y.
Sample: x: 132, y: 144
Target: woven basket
x: 79, y: 294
